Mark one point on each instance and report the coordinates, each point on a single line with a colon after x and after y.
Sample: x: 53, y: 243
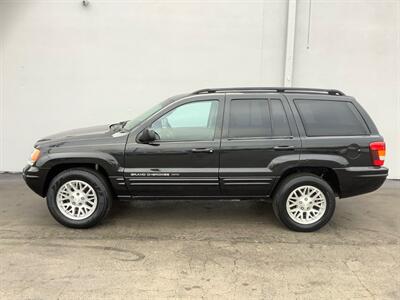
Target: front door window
x: 195, y: 121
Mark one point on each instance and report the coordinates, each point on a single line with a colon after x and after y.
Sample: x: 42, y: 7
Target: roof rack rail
x: 271, y: 89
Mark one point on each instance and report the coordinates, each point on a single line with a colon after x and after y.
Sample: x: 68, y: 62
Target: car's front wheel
x: 79, y: 198
x: 304, y: 202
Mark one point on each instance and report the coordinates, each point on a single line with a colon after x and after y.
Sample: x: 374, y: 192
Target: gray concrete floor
x: 204, y: 249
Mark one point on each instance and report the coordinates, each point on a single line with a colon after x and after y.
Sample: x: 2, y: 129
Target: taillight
x: 378, y: 152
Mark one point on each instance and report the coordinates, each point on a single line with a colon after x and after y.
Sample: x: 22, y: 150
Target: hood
x: 94, y: 132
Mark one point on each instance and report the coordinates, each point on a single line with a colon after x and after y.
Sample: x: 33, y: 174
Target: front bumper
x: 360, y: 180
x: 35, y: 179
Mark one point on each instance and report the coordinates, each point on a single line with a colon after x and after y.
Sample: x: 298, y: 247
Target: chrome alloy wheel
x: 306, y: 204
x: 76, y: 200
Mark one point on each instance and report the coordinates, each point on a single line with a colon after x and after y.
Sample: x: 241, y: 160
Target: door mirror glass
x: 148, y: 135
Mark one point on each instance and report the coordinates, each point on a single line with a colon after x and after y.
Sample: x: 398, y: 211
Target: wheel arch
x: 60, y: 167
x: 328, y: 174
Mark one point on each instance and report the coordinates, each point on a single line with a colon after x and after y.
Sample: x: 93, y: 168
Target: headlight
x: 34, y: 156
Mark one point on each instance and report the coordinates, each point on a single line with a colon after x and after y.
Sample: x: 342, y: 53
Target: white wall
x: 355, y: 46
x: 64, y: 66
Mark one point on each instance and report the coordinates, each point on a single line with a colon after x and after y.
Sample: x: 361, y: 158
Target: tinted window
x: 249, y: 118
x: 193, y: 121
x: 328, y: 118
x: 280, y: 125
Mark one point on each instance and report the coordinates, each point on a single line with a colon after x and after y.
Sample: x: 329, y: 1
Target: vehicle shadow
x: 247, y: 211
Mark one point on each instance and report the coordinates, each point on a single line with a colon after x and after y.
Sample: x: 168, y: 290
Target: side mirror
x: 147, y: 136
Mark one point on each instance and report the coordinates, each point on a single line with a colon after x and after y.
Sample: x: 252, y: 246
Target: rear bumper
x: 360, y: 180
x: 34, y: 178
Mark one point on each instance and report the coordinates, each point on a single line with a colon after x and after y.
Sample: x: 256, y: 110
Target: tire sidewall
x: 289, y: 186
x: 103, y: 198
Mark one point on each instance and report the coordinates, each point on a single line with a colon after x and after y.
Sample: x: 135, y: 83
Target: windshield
x: 139, y: 119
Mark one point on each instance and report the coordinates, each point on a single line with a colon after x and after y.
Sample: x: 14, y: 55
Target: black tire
x: 288, y: 185
x: 96, y: 181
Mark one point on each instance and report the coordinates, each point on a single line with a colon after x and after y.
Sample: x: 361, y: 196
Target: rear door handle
x: 284, y: 148
x: 202, y: 150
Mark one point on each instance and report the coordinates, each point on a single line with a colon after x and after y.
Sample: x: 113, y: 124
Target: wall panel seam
x: 2, y: 113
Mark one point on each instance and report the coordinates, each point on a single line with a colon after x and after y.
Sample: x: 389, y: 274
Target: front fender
x: 37, y: 176
x: 108, y: 162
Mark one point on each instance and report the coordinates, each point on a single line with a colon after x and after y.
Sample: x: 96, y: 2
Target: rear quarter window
x: 330, y: 118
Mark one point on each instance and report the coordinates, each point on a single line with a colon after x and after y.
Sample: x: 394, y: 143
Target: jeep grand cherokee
x: 302, y: 148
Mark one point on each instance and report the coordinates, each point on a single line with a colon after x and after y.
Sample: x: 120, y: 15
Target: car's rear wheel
x: 304, y: 202
x: 79, y: 198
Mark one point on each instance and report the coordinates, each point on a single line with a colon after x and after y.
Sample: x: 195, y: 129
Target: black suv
x: 300, y: 147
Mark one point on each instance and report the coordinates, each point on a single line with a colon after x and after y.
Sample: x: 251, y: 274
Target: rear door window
x: 330, y: 118
x: 249, y: 119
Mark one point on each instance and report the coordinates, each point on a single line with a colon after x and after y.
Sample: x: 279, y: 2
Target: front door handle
x: 202, y: 150
x: 284, y: 148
